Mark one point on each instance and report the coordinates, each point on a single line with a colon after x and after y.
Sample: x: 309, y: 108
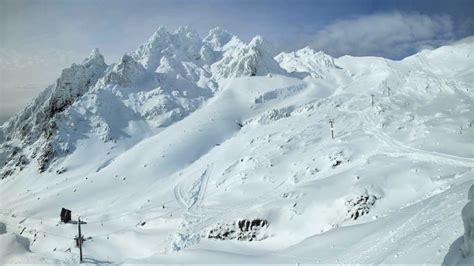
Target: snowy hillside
x: 208, y: 150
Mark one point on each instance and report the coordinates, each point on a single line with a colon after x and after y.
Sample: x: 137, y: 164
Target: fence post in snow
x: 331, y: 124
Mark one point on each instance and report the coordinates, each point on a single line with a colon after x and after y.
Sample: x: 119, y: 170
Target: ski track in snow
x: 415, y: 153
x: 203, y: 217
x: 406, y: 150
x: 364, y: 255
x: 196, y: 193
x: 105, y: 164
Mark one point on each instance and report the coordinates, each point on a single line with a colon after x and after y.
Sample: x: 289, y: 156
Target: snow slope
x: 188, y: 136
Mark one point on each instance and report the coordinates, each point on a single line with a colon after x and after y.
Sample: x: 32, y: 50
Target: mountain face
x: 161, y: 82
x: 203, y: 150
x: 34, y: 133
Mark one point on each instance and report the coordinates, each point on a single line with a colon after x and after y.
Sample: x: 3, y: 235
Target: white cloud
x: 392, y: 35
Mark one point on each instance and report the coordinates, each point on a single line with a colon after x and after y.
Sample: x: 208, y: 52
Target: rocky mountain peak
x: 217, y: 38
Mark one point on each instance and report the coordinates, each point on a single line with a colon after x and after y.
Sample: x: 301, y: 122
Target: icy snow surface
x: 185, y: 136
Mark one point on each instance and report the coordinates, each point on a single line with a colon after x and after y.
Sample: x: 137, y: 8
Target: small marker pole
x: 331, y: 124
x: 79, y: 237
x: 372, y: 97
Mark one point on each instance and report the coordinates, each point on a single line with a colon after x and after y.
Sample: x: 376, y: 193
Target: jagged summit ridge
x: 220, y: 52
x: 218, y: 38
x: 184, y: 42
x: 94, y: 57
x: 253, y: 59
x: 306, y: 60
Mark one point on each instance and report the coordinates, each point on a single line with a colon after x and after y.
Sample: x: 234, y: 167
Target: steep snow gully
x: 207, y: 150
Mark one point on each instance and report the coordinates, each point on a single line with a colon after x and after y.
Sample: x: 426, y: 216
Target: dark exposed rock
x: 6, y: 173
x: 61, y: 170
x: 47, y: 154
x: 21, y: 162
x: 361, y: 205
x: 338, y: 159
x: 243, y: 230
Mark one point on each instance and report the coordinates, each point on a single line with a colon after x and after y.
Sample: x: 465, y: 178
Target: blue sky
x: 39, y: 38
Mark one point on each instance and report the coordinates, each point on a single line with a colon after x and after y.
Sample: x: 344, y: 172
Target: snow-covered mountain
x: 195, y: 149
x: 161, y: 82
x: 306, y: 60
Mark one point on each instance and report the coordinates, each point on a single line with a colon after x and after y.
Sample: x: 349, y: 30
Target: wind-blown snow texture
x: 208, y: 150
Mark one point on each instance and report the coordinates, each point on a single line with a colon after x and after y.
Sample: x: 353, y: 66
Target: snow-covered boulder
x: 468, y: 221
x: 13, y: 246
x: 461, y: 251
